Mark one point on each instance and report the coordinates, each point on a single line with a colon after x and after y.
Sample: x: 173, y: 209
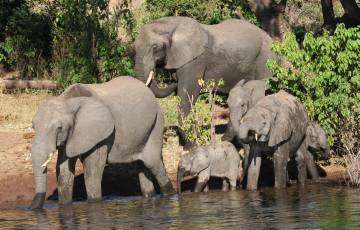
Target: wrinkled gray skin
x: 115, y: 122
x: 316, y: 141
x: 232, y: 50
x: 218, y: 160
x: 241, y: 98
x: 276, y: 125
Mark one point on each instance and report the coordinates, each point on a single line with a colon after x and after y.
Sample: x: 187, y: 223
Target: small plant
x: 352, y: 165
x: 199, y: 125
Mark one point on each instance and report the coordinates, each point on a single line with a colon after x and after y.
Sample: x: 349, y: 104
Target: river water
x: 312, y: 207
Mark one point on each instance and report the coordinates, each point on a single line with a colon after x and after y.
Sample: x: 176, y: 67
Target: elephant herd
x: 120, y: 121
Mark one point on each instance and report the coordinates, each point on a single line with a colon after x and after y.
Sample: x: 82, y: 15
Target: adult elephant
x: 115, y: 122
x: 232, y: 50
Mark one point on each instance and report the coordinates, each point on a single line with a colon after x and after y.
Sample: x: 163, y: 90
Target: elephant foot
x: 167, y: 189
x: 94, y: 200
x: 38, y: 201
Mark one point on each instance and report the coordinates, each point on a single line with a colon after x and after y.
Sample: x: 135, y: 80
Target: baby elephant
x: 218, y: 160
x: 316, y: 141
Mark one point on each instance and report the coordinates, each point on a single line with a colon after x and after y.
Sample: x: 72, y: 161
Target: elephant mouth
x: 257, y: 136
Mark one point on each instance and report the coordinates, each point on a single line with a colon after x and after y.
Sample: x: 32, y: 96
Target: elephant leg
x: 152, y: 157
x: 202, y: 180
x: 232, y: 181
x: 301, y: 166
x: 146, y: 186
x: 206, y: 188
x: 253, y: 173
x: 65, y: 173
x: 94, y: 165
x: 246, y: 156
x: 188, y: 86
x: 225, y: 185
x: 188, y: 91
x: 280, y: 157
x: 253, y: 155
x: 310, y: 165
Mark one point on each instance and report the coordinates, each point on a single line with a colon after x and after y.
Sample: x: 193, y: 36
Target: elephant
x: 218, y: 160
x: 243, y: 96
x: 316, y: 141
x: 232, y: 50
x: 275, y: 126
x: 119, y: 121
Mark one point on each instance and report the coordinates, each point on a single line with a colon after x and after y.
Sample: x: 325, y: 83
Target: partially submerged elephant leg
x: 280, y: 157
x: 252, y: 163
x: 202, y: 180
x: 152, y: 157
x: 225, y: 185
x: 310, y: 165
x: 300, y: 159
x: 94, y: 165
x: 146, y: 186
x: 65, y: 172
x: 206, y: 189
x: 253, y: 173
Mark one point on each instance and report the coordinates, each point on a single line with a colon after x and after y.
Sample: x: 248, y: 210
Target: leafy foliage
x: 24, y: 36
x: 325, y: 76
x: 199, y: 126
x: 86, y: 48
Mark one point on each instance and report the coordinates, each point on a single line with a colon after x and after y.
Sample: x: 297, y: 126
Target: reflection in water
x: 315, y: 206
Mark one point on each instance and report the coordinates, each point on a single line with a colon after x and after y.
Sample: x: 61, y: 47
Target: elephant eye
x: 154, y: 46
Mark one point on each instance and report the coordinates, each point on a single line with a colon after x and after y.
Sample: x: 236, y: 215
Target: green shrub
x: 25, y: 36
x: 204, y: 11
x: 199, y: 126
x: 325, y: 76
x: 85, y: 43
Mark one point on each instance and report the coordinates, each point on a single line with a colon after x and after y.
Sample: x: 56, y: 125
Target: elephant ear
x: 186, y: 42
x: 93, y: 123
x: 200, y: 161
x: 280, y: 129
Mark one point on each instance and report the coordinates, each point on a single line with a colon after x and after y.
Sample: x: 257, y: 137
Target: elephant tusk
x: 150, y: 77
x: 256, y: 137
x: 48, y: 160
x: 242, y: 120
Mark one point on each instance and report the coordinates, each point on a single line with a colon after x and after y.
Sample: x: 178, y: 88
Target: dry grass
x: 352, y: 165
x: 17, y: 109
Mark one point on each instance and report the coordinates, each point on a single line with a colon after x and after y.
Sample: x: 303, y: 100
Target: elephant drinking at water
x: 115, y: 122
x: 276, y: 125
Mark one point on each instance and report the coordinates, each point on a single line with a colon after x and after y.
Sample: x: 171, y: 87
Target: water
x: 313, y: 207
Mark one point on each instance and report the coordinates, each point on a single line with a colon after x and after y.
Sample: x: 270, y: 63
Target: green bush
x: 204, y: 11
x: 85, y: 43
x: 325, y: 76
x: 25, y: 36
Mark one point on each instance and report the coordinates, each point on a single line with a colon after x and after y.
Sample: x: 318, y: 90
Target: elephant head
x: 239, y: 102
x: 169, y: 42
x: 192, y: 164
x: 74, y: 122
x: 265, y: 125
x: 317, y: 140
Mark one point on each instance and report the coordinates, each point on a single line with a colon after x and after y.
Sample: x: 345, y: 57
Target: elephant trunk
x: 243, y: 134
x: 180, y: 175
x: 234, y: 121
x: 143, y: 72
x: 39, y: 163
